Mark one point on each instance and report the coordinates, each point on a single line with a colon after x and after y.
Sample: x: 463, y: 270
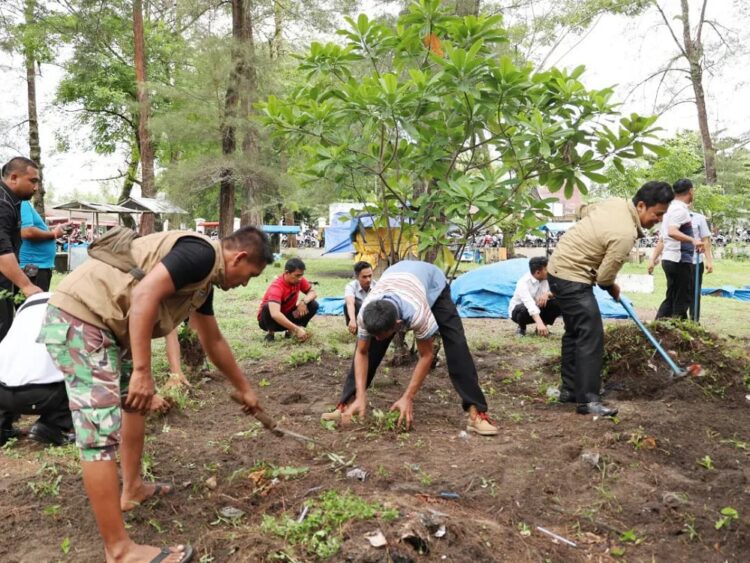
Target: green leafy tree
x: 725, y: 203
x: 430, y: 128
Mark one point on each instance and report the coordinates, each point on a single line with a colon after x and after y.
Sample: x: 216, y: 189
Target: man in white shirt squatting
x: 355, y: 292
x: 532, y: 300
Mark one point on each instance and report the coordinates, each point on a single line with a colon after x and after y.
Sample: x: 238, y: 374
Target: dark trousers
x: 357, y: 307
x: 42, y: 279
x: 461, y: 369
x: 266, y: 322
x: 7, y: 311
x: 548, y: 314
x: 692, y: 291
x: 48, y: 400
x: 583, y: 341
x: 679, y: 283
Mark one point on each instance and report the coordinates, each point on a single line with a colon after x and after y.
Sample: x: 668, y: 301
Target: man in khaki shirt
x: 592, y: 252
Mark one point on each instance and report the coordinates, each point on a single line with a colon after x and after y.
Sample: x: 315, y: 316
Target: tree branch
x: 671, y: 31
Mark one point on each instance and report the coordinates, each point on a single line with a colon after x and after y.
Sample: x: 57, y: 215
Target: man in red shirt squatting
x: 282, y: 309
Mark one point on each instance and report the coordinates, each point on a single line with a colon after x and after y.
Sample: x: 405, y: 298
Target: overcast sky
x: 616, y: 51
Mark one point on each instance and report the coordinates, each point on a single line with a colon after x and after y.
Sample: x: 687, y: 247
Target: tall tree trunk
x: 278, y: 26
x: 693, y: 52
x: 228, y: 124
x: 35, y: 149
x: 148, y: 188
x: 252, y: 211
x: 129, y: 181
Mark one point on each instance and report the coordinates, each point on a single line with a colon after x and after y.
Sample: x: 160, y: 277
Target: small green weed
x: 65, y: 545
x: 49, y: 482
x: 728, y: 515
x: 301, y: 357
x: 383, y: 421
x: 631, y: 536
x: 9, y: 449
x: 690, y: 529
x: 524, y: 529
x: 178, y: 397
x: 706, y: 462
x: 52, y: 510
x: 320, y: 533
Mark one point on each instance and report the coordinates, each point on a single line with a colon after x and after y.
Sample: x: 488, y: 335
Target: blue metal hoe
x: 693, y: 369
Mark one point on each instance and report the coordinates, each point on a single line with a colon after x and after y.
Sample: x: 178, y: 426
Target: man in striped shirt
x: 412, y: 295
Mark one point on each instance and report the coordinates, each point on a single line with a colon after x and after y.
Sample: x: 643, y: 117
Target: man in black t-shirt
x: 20, y: 178
x: 91, y: 351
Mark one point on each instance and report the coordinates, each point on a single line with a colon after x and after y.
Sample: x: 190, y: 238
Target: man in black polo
x: 20, y: 179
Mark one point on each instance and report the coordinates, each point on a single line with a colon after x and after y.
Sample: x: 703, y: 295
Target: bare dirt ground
x: 649, y: 486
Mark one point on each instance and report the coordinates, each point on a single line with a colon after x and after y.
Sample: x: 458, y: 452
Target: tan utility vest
x: 99, y: 294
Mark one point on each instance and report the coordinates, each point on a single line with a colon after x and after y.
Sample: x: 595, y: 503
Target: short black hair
x: 537, y: 263
x: 361, y: 265
x: 294, y: 264
x: 653, y: 193
x: 17, y: 165
x: 253, y: 241
x: 682, y: 186
x: 379, y: 316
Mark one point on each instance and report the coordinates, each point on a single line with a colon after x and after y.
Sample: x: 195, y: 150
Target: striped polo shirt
x: 413, y: 287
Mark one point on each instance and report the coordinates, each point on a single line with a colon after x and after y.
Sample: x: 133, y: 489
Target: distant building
x: 563, y: 209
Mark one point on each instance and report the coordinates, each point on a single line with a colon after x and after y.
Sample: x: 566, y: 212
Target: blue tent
x: 486, y: 291
x: 341, y: 240
x: 728, y: 291
x: 338, y: 239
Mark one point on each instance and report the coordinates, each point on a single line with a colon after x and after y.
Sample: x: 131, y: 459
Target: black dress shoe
x: 268, y: 337
x: 48, y: 435
x: 521, y: 330
x: 7, y: 434
x: 596, y: 408
x: 566, y: 396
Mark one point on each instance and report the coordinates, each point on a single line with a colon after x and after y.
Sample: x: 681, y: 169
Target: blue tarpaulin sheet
x: 728, y: 291
x: 338, y: 239
x: 486, y: 291
x: 331, y: 306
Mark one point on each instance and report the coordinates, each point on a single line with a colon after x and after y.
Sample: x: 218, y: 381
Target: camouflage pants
x: 97, y: 372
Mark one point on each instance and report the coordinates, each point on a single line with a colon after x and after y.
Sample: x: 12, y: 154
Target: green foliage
x: 682, y: 157
x: 425, y: 124
x: 302, y: 357
x: 320, y: 533
x: 48, y: 482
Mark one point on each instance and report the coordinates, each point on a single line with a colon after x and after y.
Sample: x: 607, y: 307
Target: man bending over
x: 412, y: 295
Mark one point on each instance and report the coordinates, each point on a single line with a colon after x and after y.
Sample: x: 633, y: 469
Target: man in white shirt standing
x: 355, y: 293
x: 29, y: 381
x: 679, y: 246
x: 532, y: 300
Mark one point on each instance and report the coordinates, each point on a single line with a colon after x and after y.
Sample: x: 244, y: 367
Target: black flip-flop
x: 187, y: 555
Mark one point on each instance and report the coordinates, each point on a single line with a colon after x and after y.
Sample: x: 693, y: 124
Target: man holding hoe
x: 98, y: 331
